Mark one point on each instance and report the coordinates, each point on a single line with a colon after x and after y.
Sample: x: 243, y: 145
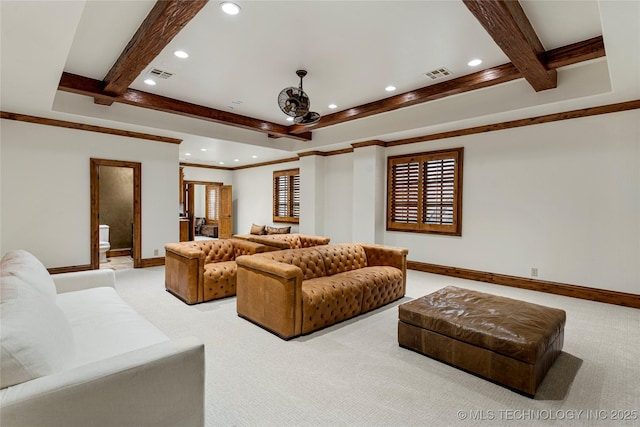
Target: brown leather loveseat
x: 297, y: 291
x: 205, y: 270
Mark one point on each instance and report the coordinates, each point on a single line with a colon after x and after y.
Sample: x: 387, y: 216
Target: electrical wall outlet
x: 534, y: 271
x: 155, y: 252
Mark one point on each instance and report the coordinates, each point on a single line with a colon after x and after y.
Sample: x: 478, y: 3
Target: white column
x: 312, y: 195
x: 369, y: 172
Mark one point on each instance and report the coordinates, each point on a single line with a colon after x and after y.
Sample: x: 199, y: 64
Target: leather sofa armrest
x: 307, y: 240
x: 269, y: 293
x: 141, y: 388
x: 184, y: 271
x: 270, y: 267
x: 189, y: 250
x: 246, y: 247
x: 385, y: 255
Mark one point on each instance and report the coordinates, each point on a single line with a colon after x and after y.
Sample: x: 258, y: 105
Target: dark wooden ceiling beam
x: 508, y: 25
x: 162, y: 24
x: 575, y: 53
x: 567, y: 55
x: 90, y: 87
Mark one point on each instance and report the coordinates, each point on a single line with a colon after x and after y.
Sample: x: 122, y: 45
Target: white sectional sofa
x: 73, y: 353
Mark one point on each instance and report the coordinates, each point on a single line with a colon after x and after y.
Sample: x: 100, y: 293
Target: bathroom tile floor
x: 118, y: 263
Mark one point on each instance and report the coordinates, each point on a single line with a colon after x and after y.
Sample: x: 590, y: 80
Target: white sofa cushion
x: 104, y: 325
x: 27, y: 267
x: 35, y: 337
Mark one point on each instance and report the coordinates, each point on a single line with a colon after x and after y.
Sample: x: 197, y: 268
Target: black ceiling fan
x: 294, y: 102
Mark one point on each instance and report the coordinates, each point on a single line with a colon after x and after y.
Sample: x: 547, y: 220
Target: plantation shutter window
x: 286, y: 196
x: 425, y: 192
x: 212, y: 203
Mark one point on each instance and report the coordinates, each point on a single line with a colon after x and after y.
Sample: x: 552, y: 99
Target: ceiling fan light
x: 230, y: 8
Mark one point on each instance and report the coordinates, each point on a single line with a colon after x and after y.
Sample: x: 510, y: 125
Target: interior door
x: 225, y: 224
x: 189, y: 208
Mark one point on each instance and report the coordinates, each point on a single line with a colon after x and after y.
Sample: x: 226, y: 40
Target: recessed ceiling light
x: 230, y: 8
x: 203, y: 149
x: 333, y: 106
x: 221, y: 163
x: 150, y: 82
x: 289, y: 119
x: 187, y: 154
x: 474, y: 62
x: 181, y: 54
x: 390, y: 88
x: 254, y: 157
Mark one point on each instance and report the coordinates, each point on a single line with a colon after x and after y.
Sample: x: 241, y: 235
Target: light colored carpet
x: 355, y: 374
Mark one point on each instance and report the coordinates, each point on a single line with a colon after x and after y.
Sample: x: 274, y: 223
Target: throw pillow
x: 257, y: 229
x: 28, y: 268
x: 278, y: 230
x: 36, y: 338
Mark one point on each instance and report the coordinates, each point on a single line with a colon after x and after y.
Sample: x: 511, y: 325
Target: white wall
x: 255, y: 201
x: 562, y: 197
x: 339, y: 198
x: 45, y: 190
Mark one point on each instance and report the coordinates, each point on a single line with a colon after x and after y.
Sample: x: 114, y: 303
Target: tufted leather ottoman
x: 511, y: 342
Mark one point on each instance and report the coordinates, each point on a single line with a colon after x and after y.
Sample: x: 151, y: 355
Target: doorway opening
x: 208, y: 208
x: 118, y: 185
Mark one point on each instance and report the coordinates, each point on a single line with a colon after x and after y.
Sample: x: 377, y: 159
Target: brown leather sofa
x: 286, y: 241
x: 297, y: 291
x: 205, y: 270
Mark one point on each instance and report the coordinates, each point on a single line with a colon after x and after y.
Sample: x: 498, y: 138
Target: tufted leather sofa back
x: 324, y: 260
x: 342, y: 257
x: 218, y: 250
x: 308, y: 260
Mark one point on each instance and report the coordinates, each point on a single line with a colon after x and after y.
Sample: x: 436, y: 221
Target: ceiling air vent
x: 438, y: 73
x: 160, y: 73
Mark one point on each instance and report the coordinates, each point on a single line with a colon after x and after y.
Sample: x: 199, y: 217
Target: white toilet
x: 104, y: 242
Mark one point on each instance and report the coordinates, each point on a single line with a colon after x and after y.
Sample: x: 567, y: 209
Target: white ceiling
x: 351, y: 49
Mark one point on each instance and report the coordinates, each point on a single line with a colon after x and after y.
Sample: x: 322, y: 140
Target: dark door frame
x: 136, y: 251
